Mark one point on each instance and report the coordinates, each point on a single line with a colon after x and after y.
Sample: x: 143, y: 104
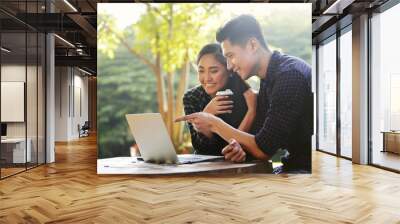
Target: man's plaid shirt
x: 285, y: 111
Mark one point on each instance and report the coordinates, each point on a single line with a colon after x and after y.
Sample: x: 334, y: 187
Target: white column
x: 360, y: 90
x: 50, y: 92
x: 50, y: 100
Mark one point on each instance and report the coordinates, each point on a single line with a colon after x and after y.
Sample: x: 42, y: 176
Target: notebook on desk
x: 154, y: 142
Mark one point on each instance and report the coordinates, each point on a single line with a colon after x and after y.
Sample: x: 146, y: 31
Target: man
x: 284, y: 105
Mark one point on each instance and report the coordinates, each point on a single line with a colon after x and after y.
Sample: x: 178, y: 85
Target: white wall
x: 80, y: 110
x: 71, y: 94
x: 62, y: 80
x: 16, y: 73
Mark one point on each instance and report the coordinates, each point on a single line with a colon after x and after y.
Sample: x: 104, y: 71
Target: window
x: 346, y: 94
x: 385, y: 85
x: 313, y: 88
x: 327, y: 96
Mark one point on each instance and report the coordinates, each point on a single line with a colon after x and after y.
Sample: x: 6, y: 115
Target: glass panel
x: 41, y: 99
x: 23, y: 89
x: 327, y: 97
x: 346, y: 94
x: 386, y: 89
x: 313, y: 88
x: 31, y: 86
x: 13, y: 87
x: 31, y: 97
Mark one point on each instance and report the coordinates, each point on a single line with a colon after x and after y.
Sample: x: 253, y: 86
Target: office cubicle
x: 22, y: 77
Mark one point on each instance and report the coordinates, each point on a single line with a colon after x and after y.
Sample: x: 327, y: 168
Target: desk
x: 391, y: 141
x: 129, y: 165
x: 13, y: 150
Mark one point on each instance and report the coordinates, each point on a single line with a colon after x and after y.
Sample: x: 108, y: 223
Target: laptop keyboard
x: 200, y: 158
x: 191, y: 159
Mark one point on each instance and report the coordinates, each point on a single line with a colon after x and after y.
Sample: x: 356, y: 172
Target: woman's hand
x: 219, y: 105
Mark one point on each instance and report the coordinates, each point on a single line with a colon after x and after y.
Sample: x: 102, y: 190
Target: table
x: 13, y: 150
x: 391, y: 141
x: 130, y: 165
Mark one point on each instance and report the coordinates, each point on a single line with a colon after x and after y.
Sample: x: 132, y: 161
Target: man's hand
x: 234, y: 152
x: 203, y: 122
x: 219, y: 105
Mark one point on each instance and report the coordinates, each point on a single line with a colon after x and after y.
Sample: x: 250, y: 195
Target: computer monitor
x: 3, y: 129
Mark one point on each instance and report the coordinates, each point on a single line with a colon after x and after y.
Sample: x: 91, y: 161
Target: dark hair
x: 240, y: 29
x: 214, y: 49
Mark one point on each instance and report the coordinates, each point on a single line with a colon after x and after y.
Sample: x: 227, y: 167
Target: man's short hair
x: 240, y: 29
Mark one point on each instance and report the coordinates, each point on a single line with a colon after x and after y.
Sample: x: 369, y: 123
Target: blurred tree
x: 287, y: 32
x: 124, y: 87
x: 166, y: 39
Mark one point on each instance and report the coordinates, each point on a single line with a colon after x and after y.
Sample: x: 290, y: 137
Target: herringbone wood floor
x: 70, y: 191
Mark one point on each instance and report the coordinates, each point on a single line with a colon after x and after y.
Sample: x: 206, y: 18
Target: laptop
x: 154, y: 142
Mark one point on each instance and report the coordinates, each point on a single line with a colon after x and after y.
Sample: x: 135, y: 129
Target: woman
x: 238, y: 110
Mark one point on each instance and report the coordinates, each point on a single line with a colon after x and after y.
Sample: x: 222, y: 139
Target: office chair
x: 84, y: 130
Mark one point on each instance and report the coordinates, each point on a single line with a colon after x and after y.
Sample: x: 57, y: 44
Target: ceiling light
x: 338, y: 6
x: 79, y: 51
x: 65, y: 41
x: 86, y: 72
x: 70, y: 5
x: 5, y: 50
